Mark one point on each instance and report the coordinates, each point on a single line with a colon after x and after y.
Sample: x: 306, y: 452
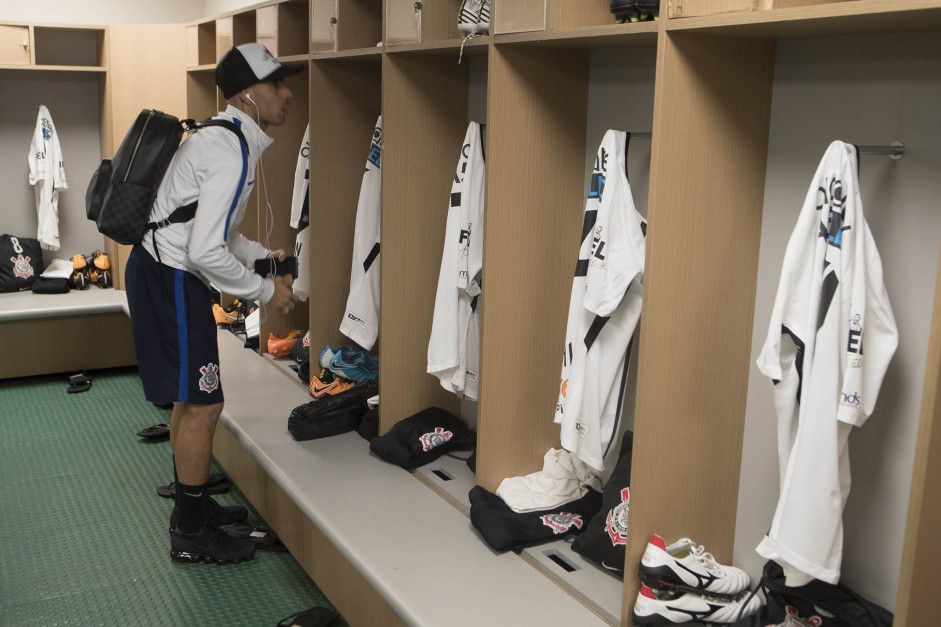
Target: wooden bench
x: 384, y: 547
x: 80, y: 330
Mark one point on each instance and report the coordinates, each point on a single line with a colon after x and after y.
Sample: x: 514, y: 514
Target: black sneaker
x: 218, y: 514
x: 210, y: 545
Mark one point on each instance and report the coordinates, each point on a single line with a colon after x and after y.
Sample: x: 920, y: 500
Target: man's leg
x: 194, y: 534
x: 192, y: 427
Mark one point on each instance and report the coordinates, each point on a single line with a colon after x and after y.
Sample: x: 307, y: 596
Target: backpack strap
x: 188, y: 212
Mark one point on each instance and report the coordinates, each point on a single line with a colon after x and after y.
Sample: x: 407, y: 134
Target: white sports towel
x: 563, y: 478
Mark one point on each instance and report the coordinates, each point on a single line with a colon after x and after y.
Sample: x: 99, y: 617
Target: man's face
x: 272, y: 100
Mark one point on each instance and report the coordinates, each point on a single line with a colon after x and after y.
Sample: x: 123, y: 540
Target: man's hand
x: 284, y: 297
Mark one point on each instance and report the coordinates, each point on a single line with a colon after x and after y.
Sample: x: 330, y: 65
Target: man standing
x: 168, y: 276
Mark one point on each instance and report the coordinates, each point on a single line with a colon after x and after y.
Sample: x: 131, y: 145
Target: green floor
x: 85, y: 534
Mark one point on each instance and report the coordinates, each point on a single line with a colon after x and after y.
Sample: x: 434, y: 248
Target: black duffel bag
x: 331, y: 415
x: 816, y: 603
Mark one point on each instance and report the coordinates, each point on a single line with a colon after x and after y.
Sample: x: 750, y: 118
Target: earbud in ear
x: 248, y: 97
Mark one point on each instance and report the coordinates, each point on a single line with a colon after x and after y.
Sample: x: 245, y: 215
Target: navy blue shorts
x: 174, y: 332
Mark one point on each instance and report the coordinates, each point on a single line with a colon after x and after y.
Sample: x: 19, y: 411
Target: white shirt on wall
x: 361, y: 319
x: 47, y: 176
x: 831, y: 301
x: 300, y: 217
x: 454, y: 346
x: 604, y: 308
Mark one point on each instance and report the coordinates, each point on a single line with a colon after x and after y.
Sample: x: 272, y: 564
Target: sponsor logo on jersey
x: 21, y: 266
x: 852, y: 400
x: 375, y: 149
x: 209, y: 378
x: 616, y: 522
x: 854, y: 343
x: 471, y: 376
x: 435, y: 438
x: 562, y: 522
x: 582, y: 429
x: 46, y: 129
x: 352, y: 317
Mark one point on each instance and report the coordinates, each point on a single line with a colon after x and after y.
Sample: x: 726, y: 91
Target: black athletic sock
x: 192, y: 503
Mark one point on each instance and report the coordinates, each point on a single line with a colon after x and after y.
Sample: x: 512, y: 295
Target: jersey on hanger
x: 454, y: 346
x: 604, y: 308
x: 831, y: 301
x: 361, y: 319
x: 47, y: 174
x: 300, y: 198
x: 300, y: 217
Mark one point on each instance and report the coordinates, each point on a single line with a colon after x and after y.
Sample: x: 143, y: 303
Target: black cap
x: 246, y: 65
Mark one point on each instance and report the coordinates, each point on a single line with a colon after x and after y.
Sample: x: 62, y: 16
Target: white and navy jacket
x: 213, y: 168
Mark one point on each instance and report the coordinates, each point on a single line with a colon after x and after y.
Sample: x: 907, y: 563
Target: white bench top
x: 28, y: 306
x: 420, y: 553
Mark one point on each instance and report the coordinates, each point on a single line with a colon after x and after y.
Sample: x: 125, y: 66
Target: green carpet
x: 85, y: 534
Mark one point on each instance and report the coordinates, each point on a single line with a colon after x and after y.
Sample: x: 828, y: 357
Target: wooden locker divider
x: 424, y: 103
x: 160, y: 49
x: 274, y: 184
x: 345, y: 102
x: 706, y: 197
x: 538, y: 104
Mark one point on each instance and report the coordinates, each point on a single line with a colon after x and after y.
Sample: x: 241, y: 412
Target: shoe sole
x: 655, y: 582
x: 187, y: 557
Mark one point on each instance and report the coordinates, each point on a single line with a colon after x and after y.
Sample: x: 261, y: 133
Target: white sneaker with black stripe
x: 474, y: 17
x: 686, y: 566
x: 672, y: 607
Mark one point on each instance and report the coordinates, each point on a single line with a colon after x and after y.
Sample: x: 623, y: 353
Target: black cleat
x: 209, y: 545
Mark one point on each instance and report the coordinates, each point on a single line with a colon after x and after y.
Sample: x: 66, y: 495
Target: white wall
x: 102, y: 12
x: 217, y: 7
x: 862, y: 90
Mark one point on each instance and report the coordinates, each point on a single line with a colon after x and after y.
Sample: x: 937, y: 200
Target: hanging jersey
x: 47, y: 175
x: 454, y: 346
x: 603, y: 309
x: 830, y: 302
x: 361, y: 318
x: 302, y: 252
x: 300, y: 198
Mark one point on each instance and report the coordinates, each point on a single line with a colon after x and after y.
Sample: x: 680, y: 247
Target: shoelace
x: 706, y: 559
x: 464, y: 41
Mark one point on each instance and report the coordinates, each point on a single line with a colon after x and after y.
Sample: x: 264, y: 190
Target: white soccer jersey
x: 361, y: 318
x: 454, y: 346
x: 300, y: 217
x: 300, y: 198
x: 830, y: 301
x: 604, y: 308
x: 302, y: 252
x: 47, y: 174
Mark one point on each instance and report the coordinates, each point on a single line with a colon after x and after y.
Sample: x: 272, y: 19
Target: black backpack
x: 122, y: 190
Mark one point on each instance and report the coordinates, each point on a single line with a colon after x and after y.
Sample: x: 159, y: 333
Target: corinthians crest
x: 21, y: 267
x: 562, y: 522
x: 209, y: 379
x: 616, y: 522
x: 434, y: 439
